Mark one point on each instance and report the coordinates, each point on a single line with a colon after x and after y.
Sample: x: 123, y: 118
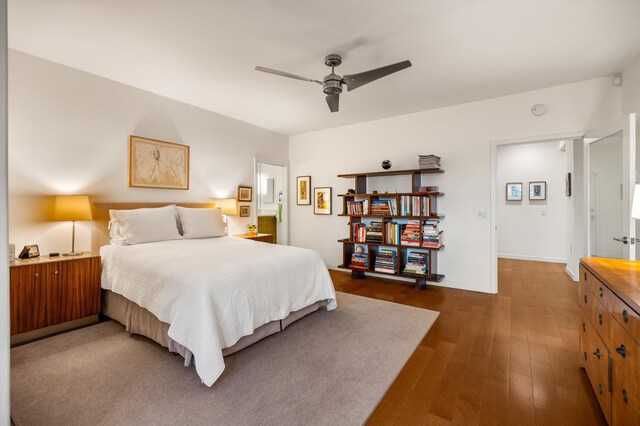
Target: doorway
x: 271, y: 200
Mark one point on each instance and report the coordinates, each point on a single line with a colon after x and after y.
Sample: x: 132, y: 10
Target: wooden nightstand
x: 53, y: 294
x: 265, y: 238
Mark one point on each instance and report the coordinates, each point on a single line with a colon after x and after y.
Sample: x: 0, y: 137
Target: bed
x: 205, y: 298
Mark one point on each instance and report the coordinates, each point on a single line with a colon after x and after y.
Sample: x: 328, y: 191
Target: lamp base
x: 73, y: 253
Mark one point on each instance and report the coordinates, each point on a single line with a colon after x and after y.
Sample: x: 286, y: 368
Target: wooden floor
x: 510, y: 358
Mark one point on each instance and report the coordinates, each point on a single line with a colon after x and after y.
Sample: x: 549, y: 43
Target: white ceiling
x: 203, y: 52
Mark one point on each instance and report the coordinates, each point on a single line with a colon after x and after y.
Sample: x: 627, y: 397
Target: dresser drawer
x: 627, y: 317
x: 586, y: 337
x: 585, y: 297
x: 601, y: 320
x: 598, y: 372
x: 600, y: 291
x: 624, y: 407
x: 626, y: 359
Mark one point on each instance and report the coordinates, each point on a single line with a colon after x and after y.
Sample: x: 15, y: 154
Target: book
x: 374, y: 232
x: 386, y: 261
x: 415, y: 205
x: 410, y: 235
x: 360, y: 258
x: 358, y: 207
x: 417, y: 263
x: 428, y: 161
x: 431, y: 235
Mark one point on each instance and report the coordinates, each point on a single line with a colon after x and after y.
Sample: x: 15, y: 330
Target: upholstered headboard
x: 100, y: 231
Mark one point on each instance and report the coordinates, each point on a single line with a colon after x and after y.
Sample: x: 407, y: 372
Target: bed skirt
x: 138, y: 320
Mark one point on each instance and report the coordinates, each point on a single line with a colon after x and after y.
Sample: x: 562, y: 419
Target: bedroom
x: 162, y: 71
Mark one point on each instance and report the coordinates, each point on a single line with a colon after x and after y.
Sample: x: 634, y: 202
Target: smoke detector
x: 538, y: 109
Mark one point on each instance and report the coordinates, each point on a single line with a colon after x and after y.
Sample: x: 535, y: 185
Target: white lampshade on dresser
x: 72, y: 207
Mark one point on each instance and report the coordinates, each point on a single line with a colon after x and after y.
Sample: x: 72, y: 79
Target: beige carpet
x: 328, y: 368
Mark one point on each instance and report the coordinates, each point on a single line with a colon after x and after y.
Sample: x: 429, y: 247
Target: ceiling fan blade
x: 333, y: 101
x: 354, y: 81
x: 286, y: 74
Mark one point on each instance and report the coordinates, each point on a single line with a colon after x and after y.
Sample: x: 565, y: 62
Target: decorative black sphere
x: 386, y: 164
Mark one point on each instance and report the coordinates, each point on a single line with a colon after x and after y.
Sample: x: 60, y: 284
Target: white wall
x: 576, y: 225
x: 462, y: 135
x: 68, y: 133
x: 532, y: 229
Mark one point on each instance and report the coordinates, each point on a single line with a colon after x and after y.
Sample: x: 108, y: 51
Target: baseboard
x: 456, y: 285
x: 572, y: 274
x: 532, y: 258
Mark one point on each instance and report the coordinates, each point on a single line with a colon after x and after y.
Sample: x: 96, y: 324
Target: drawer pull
x: 600, y: 318
x: 625, y: 315
x: 600, y: 388
x: 624, y: 396
x: 585, y: 276
x: 622, y: 351
x: 585, y: 298
x: 584, y: 327
x: 597, y: 353
x: 37, y: 275
x: 601, y: 292
x: 585, y: 356
x: 56, y: 272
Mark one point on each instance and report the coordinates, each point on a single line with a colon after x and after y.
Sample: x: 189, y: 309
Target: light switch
x: 544, y: 212
x: 482, y: 214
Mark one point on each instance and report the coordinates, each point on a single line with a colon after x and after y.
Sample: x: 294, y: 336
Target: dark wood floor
x: 510, y: 358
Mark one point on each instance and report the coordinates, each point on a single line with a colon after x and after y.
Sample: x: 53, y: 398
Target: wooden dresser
x: 53, y: 294
x: 610, y: 335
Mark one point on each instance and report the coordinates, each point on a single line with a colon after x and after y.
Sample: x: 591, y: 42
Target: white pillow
x: 147, y: 225
x: 201, y: 223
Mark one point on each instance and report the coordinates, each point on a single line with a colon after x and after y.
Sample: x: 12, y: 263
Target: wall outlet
x: 482, y: 214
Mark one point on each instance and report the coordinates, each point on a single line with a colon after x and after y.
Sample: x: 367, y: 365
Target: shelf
x: 432, y: 278
x: 392, y: 173
x: 391, y: 245
x: 438, y: 216
x: 387, y: 194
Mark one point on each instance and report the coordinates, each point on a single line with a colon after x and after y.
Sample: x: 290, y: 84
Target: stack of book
x: 416, y: 263
x: 411, y: 234
x: 386, y: 261
x: 428, y: 161
x: 358, y: 207
x: 360, y: 259
x: 392, y: 233
x: 414, y: 205
x: 359, y: 232
x: 384, y: 207
x: 431, y: 236
x: 374, y: 232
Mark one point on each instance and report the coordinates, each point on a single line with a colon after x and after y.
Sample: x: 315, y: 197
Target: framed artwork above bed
x: 158, y: 164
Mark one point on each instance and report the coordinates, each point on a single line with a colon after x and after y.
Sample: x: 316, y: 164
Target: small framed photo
x: 538, y: 190
x: 303, y: 185
x: 245, y: 211
x: 245, y: 193
x: 322, y: 200
x: 514, y: 191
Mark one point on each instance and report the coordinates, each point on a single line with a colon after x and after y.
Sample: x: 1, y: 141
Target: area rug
x: 326, y: 369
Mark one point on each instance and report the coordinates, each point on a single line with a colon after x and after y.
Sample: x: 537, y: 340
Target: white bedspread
x: 214, y: 291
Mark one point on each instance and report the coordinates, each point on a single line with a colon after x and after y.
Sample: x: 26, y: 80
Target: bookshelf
x: 407, y: 221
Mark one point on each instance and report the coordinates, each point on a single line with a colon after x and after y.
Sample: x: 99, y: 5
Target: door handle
x: 625, y: 240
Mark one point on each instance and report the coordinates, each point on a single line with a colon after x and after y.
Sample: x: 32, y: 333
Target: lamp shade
x: 635, y: 206
x: 72, y: 207
x: 228, y: 206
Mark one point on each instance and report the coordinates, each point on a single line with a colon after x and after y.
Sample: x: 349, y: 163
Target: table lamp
x: 635, y: 206
x: 72, y: 207
x: 228, y: 207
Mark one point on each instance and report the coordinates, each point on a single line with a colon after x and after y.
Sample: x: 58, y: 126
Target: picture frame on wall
x: 322, y: 200
x: 513, y: 191
x: 303, y: 190
x: 538, y: 190
x: 245, y: 193
x: 245, y: 211
x: 158, y: 164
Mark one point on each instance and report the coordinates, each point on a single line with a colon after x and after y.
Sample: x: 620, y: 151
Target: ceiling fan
x: 332, y: 83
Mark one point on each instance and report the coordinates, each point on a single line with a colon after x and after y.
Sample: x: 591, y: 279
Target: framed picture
x: 322, y: 200
x: 538, y: 190
x: 245, y: 193
x: 568, y: 185
x: 303, y: 185
x: 245, y: 211
x: 514, y: 191
x: 158, y: 164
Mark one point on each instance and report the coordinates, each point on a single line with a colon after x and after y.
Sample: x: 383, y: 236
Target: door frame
x: 285, y: 194
x: 626, y: 125
x: 493, y: 284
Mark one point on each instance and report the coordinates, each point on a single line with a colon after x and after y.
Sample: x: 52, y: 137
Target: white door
x: 611, y: 157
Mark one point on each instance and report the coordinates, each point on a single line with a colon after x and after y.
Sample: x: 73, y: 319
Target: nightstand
x: 265, y: 238
x: 53, y: 294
